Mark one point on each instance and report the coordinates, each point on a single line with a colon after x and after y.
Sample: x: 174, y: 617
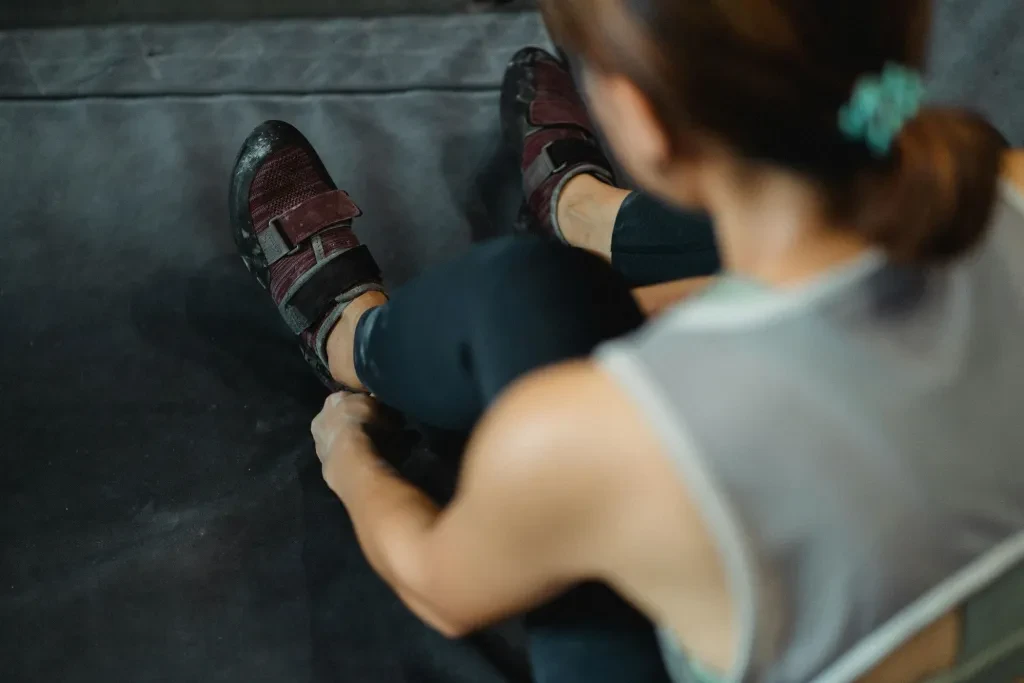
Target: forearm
x: 389, y: 516
x: 391, y: 519
x: 461, y: 568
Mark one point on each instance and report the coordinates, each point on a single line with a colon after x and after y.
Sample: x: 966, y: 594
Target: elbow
x: 417, y: 586
x: 435, y: 618
x: 452, y: 630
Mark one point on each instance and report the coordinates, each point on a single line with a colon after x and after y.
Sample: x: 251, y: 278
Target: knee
x: 547, y: 280
x: 518, y: 249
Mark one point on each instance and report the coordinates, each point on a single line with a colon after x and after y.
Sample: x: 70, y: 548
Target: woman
x: 824, y: 440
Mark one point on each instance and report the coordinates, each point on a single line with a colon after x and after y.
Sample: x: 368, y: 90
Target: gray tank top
x: 856, y: 447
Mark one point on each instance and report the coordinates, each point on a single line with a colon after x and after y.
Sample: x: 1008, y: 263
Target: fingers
x: 343, y: 416
x: 358, y: 407
x: 324, y: 438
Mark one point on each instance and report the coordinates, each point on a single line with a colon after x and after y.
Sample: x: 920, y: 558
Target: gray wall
x: 70, y: 12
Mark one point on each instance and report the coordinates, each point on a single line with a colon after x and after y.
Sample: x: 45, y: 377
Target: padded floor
x: 161, y: 512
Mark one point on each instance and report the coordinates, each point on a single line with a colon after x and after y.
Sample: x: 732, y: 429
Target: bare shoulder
x: 571, y: 416
x: 570, y: 435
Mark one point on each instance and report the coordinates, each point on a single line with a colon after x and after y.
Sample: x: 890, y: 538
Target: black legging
x: 452, y: 340
x: 448, y: 344
x: 652, y: 243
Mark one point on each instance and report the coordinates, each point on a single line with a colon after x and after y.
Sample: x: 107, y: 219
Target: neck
x: 771, y: 228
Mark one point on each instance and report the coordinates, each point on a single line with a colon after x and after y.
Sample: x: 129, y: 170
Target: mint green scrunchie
x: 881, y: 106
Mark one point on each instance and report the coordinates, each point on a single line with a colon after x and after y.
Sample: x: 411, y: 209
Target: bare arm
x: 562, y: 482
x: 466, y: 566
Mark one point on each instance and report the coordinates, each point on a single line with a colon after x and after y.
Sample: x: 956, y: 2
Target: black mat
x: 161, y: 507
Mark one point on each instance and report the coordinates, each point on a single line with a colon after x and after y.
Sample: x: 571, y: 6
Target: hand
x: 341, y: 441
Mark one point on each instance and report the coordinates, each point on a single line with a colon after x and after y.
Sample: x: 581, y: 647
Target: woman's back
x: 860, y: 437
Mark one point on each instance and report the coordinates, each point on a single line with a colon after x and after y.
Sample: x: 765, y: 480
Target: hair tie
x: 881, y: 106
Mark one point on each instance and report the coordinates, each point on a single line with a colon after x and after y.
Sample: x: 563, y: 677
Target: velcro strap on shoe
x: 559, y: 156
x: 288, y: 231
x: 558, y: 111
x: 318, y: 291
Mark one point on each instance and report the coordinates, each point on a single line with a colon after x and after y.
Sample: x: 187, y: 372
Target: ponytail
x: 934, y: 200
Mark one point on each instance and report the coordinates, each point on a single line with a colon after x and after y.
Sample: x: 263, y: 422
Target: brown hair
x: 769, y: 77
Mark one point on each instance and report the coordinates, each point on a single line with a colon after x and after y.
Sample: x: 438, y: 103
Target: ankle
x: 341, y: 340
x: 586, y: 213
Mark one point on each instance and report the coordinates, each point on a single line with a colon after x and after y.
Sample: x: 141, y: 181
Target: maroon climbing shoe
x: 545, y: 122
x: 293, y: 229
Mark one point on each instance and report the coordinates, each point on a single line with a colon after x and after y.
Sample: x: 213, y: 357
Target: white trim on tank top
x: 764, y: 305
x: 872, y: 650
x: 723, y: 522
x: 745, y: 582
